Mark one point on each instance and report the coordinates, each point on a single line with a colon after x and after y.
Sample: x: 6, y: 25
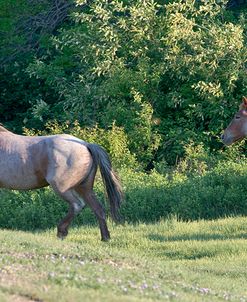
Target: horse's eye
x: 237, y: 117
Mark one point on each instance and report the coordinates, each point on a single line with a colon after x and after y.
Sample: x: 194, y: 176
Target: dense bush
x: 218, y: 193
x: 33, y: 210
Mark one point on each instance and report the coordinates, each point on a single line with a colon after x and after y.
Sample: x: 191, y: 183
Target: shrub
x: 219, y: 192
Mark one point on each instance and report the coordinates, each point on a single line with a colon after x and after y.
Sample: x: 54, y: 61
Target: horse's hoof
x: 105, y: 239
x: 61, y: 236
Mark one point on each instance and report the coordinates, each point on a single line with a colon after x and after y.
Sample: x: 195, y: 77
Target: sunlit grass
x: 170, y: 260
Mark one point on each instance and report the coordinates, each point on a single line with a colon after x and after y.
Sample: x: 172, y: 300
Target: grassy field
x: 177, y: 261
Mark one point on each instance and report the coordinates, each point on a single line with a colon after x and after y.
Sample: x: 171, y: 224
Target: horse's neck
x: 2, y: 129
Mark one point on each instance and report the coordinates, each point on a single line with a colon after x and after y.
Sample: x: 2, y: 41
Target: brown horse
x: 237, y: 129
x: 67, y: 164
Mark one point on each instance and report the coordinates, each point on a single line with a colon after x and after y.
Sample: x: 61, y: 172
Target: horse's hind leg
x: 75, y: 205
x: 86, y: 192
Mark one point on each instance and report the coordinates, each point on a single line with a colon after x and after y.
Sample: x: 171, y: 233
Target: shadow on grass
x: 196, y: 237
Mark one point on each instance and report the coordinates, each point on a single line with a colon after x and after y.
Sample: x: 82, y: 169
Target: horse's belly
x: 22, y: 180
x: 22, y: 185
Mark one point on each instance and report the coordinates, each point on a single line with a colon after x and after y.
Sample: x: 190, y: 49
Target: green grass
x: 167, y: 261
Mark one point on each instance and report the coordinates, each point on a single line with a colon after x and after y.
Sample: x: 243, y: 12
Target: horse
x: 237, y: 129
x: 65, y: 163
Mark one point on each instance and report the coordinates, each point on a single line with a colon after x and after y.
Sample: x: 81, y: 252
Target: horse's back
x: 19, y: 158
x: 33, y: 162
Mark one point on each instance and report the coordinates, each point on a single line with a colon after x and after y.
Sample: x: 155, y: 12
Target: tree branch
x: 32, y: 28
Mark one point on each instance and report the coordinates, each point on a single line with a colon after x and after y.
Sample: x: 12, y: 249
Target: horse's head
x: 237, y: 129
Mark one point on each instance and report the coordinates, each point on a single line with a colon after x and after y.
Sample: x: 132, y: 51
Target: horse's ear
x: 245, y: 101
x: 243, y: 105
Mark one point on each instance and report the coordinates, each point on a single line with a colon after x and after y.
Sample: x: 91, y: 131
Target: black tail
x: 110, y: 179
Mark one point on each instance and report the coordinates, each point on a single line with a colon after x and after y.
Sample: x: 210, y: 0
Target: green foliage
x: 19, y: 94
x: 136, y: 62
x: 218, y: 193
x: 169, y: 73
x: 30, y: 210
x: 195, y: 162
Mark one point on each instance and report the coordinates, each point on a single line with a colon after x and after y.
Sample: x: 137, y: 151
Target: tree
x: 25, y: 29
x: 154, y: 69
x: 236, y: 3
